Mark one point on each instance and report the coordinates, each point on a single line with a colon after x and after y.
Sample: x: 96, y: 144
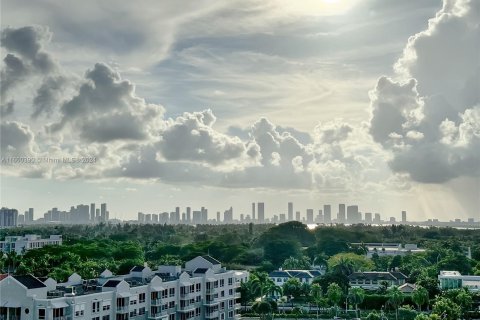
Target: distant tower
x: 309, y: 215
x: 218, y: 216
x: 327, y: 213
x: 297, y: 215
x: 189, y: 214
x: 290, y: 211
x: 261, y: 212
x: 404, y: 216
x: 253, y: 211
x: 92, y: 212
x: 103, y: 211
x: 341, y: 213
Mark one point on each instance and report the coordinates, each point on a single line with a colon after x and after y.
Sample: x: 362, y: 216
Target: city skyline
x: 373, y: 103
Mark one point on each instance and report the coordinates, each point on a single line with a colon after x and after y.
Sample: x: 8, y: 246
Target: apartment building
x: 455, y: 280
x: 20, y: 244
x: 202, y: 290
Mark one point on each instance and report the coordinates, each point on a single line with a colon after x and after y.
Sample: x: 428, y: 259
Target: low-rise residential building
x: 280, y: 276
x: 373, y: 280
x: 21, y: 244
x: 201, y: 290
x: 454, y: 280
x: 389, y: 249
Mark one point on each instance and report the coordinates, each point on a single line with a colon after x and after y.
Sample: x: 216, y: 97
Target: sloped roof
x: 137, y: 269
x: 211, y: 259
x: 30, y: 281
x: 200, y: 270
x: 372, y: 276
x: 398, y: 275
x: 112, y: 283
x: 279, y: 274
x: 302, y: 274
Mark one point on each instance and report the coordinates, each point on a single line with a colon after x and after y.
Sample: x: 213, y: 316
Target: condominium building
x: 8, y: 217
x: 374, y: 279
x: 20, y: 244
x: 201, y: 290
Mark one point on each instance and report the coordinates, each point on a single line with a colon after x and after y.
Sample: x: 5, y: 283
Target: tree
x: 334, y: 295
x: 374, y: 316
x: 356, y: 296
x: 447, y: 309
x: 261, y: 283
x: 292, y: 263
x: 395, y: 299
x: 263, y: 308
x: 347, y: 263
x: 293, y: 288
x: 277, y: 250
x: 420, y: 297
x: 316, y: 295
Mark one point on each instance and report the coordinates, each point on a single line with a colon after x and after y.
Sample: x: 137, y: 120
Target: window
x: 141, y: 311
x: 199, y: 287
x: 96, y: 307
x: 96, y: 318
x: 106, y: 305
x: 230, y: 281
x: 222, y: 282
x: 141, y: 298
x: 230, y: 314
x: 171, y: 317
x: 107, y: 317
x: 172, y: 292
x: 79, y: 310
x: 41, y: 314
x: 132, y: 302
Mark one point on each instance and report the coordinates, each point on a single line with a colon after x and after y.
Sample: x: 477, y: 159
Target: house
x: 373, y: 280
x: 407, y: 288
x: 279, y: 277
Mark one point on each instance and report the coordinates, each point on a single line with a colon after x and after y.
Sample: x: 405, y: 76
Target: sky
x: 225, y: 103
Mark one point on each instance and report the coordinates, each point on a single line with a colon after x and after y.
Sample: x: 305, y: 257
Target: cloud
x: 425, y: 116
x: 16, y: 139
x: 106, y: 108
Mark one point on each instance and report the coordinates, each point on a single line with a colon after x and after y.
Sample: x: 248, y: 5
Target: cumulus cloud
x: 106, y: 108
x: 191, y: 137
x: 26, y: 59
x: 425, y: 116
x: 16, y: 139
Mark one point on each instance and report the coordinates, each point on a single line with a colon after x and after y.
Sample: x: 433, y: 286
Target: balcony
x: 212, y: 315
x: 189, y: 307
x: 122, y: 309
x: 187, y: 295
x: 238, y: 306
x: 211, y: 302
x: 238, y: 295
x: 211, y: 290
x: 156, y: 302
x: 158, y: 315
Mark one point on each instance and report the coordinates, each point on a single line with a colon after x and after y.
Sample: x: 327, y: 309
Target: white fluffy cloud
x: 426, y: 115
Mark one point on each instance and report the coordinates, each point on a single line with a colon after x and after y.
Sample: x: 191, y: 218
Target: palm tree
x: 263, y: 308
x: 260, y: 283
x: 420, y: 297
x: 273, y: 290
x: 334, y: 294
x: 395, y: 299
x: 356, y: 296
x: 12, y: 261
x: 317, y: 295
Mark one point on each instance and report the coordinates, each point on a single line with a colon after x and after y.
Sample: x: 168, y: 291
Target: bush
x: 407, y: 314
x: 374, y: 315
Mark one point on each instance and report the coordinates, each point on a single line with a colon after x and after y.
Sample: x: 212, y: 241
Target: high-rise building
x: 141, y: 217
x: 282, y: 217
x: 97, y: 214
x: 341, y: 213
x: 404, y: 216
x: 253, y: 211
x: 377, y: 219
x: 189, y: 214
x: 309, y: 215
x: 228, y: 216
x: 320, y: 216
x: 8, y: 217
x: 327, y: 213
x: 103, y: 212
x: 353, y: 215
x: 92, y: 212
x: 29, y: 216
x: 297, y: 216
x: 290, y: 211
x: 261, y: 212
x: 368, y: 217
x: 218, y: 216
x: 204, y: 215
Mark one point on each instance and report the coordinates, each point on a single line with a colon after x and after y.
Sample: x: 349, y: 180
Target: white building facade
x: 202, y: 290
x: 20, y: 244
x: 455, y: 280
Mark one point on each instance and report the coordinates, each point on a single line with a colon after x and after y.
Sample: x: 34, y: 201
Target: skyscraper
x: 253, y: 211
x: 404, y: 216
x: 103, y: 212
x: 8, y: 217
x: 309, y: 215
x: 218, y: 216
x: 189, y: 214
x: 341, y: 213
x: 261, y: 212
x: 327, y: 213
x: 297, y: 216
x: 368, y: 217
x: 290, y: 211
x: 92, y: 212
x: 353, y: 216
